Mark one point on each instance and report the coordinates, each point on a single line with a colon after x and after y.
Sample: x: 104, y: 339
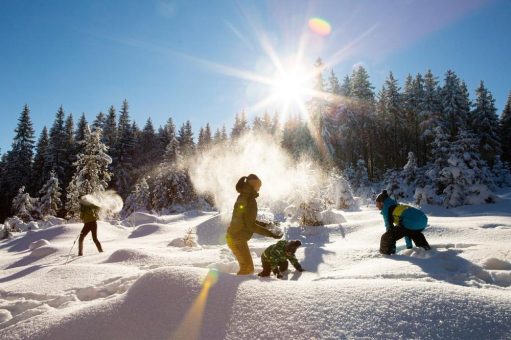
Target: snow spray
x: 217, y: 170
x: 108, y: 201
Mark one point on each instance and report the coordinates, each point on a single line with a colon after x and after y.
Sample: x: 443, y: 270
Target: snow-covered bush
x: 187, y: 241
x: 50, y: 202
x: 173, y: 190
x: 24, y: 206
x: 338, y: 193
x: 309, y: 213
x: 138, y: 200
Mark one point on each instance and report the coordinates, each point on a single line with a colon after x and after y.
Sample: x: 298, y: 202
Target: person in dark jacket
x: 89, y: 214
x: 401, y: 221
x: 243, y: 223
x: 275, y: 258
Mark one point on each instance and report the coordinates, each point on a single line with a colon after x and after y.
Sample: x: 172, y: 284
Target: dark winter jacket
x: 243, y: 223
x: 276, y: 254
x: 89, y: 212
x: 404, y: 215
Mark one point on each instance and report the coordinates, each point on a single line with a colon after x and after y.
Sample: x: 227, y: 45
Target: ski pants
x: 388, y: 239
x: 267, y: 268
x: 242, y: 253
x: 89, y: 227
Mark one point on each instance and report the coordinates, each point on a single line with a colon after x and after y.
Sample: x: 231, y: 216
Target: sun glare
x: 290, y: 85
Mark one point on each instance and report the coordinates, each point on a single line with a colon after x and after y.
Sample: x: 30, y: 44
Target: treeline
x: 350, y: 127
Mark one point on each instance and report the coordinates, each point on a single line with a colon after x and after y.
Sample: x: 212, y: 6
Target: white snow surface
x: 142, y: 288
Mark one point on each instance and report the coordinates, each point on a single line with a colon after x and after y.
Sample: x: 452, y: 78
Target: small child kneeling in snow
x: 275, y: 258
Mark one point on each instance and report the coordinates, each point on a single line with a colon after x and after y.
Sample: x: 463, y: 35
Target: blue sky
x: 175, y: 58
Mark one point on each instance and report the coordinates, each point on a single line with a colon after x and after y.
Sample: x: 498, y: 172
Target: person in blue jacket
x: 401, y: 221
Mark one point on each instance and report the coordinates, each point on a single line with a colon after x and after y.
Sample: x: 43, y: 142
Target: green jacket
x: 243, y: 223
x: 89, y: 213
x: 276, y: 254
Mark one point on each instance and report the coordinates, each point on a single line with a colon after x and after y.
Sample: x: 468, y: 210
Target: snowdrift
x: 165, y: 302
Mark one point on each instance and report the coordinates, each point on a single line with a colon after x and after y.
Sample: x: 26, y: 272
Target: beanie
x: 382, y: 196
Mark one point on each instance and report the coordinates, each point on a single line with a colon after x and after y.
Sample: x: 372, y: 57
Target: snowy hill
x: 142, y: 287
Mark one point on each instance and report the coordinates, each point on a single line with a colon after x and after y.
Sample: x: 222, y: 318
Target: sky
x: 204, y: 61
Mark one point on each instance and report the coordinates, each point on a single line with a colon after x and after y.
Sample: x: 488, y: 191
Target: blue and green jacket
x: 404, y: 215
x: 276, y: 254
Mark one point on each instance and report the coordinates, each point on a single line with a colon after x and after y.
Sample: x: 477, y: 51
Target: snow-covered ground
x: 142, y: 287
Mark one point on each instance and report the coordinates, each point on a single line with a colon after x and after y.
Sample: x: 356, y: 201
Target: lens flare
x: 320, y: 26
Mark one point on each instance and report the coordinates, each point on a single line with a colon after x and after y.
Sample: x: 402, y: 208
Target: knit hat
x: 382, y: 196
x: 293, y: 245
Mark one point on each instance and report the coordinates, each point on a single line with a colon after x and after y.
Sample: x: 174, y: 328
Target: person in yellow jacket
x: 89, y: 214
x: 243, y: 223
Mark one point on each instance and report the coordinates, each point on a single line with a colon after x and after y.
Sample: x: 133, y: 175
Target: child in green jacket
x: 275, y: 258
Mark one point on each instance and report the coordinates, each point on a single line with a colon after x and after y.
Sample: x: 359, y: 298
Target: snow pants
x: 89, y: 227
x: 388, y: 239
x: 267, y: 268
x: 242, y: 253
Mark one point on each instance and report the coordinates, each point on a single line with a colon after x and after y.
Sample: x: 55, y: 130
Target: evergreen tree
x: 19, y: 159
x: 430, y: 113
x: 24, y: 206
x: 124, y: 152
x: 50, y: 203
x: 172, y: 152
x: 110, y: 133
x: 139, y: 199
x: 240, y: 125
x: 346, y: 87
x: 39, y: 161
x: 501, y: 173
x: 185, y: 138
x: 505, y: 130
x: 99, y: 122
x: 80, y: 131
x: 91, y: 171
x: 148, y: 146
x: 454, y: 104
x: 361, y: 87
x: 166, y: 134
x: 56, y: 158
x: 334, y: 87
x: 485, y: 124
x: 173, y: 190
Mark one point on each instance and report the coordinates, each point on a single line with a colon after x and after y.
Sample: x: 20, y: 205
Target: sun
x: 291, y: 84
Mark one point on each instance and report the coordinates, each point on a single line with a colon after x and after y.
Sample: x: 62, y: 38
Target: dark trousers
x: 92, y: 227
x: 267, y: 268
x: 388, y: 240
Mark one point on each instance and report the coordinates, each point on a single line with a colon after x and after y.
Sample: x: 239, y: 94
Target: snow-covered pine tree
x: 166, y: 134
x: 454, y: 104
x: 148, y: 152
x: 110, y: 133
x: 91, y: 171
x: 124, y: 153
x: 80, y: 133
x: 501, y: 173
x: 360, y: 182
x: 240, y: 126
x: 185, y: 138
x: 172, y: 152
x: 430, y: 113
x: 338, y: 192
x: 138, y: 200
x: 505, y: 131
x: 466, y: 178
x: 50, y: 203
x: 38, y: 164
x: 99, y: 122
x: 24, y: 206
x: 485, y: 123
x: 19, y: 158
x: 173, y: 190
x: 57, y: 152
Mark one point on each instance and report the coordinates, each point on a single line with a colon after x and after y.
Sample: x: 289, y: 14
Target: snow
x: 141, y: 287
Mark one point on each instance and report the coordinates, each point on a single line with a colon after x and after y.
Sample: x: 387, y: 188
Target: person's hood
x: 244, y: 188
x: 387, y: 204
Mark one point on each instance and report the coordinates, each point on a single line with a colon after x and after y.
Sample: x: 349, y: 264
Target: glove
x: 299, y: 268
x: 279, y: 276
